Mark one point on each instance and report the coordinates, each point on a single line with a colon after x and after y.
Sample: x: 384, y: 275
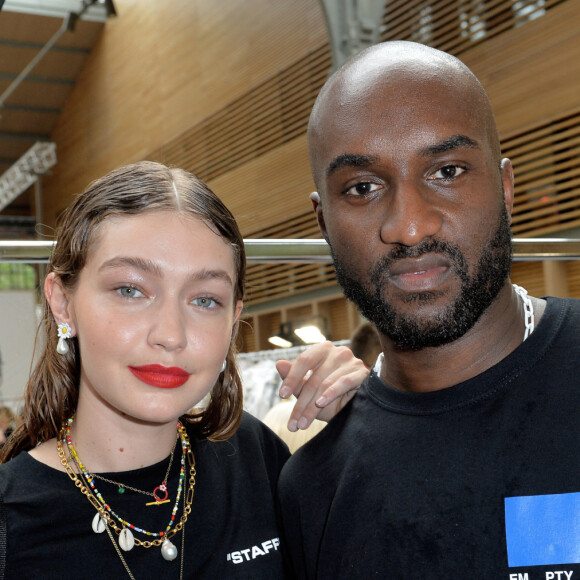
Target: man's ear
x: 59, y: 300
x: 507, y: 179
x: 317, y: 205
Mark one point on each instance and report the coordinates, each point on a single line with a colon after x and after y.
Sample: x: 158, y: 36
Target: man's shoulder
x: 561, y: 317
x: 329, y: 450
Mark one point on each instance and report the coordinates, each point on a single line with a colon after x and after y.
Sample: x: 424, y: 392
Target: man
x: 459, y: 456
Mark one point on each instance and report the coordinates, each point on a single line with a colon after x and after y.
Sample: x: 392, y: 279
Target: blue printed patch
x: 543, y: 529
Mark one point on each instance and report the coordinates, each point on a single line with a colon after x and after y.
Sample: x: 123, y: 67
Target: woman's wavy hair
x: 52, y: 390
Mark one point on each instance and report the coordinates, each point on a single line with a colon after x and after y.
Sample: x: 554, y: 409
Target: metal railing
x: 306, y: 251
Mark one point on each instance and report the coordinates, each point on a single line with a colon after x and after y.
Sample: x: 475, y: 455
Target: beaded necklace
x: 105, y: 516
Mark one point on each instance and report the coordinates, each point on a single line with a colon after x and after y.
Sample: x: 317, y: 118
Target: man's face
x: 411, y: 203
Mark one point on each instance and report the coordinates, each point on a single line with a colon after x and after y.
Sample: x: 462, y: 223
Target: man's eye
x: 129, y: 292
x: 448, y: 172
x: 363, y: 188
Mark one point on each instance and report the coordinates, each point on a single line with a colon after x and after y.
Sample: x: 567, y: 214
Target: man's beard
x: 476, y: 294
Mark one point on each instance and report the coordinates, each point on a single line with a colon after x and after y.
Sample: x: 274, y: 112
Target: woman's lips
x: 160, y: 376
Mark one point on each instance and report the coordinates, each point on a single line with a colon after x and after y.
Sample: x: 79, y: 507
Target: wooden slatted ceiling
x: 457, y: 25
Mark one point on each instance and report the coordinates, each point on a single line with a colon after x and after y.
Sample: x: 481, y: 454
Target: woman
x: 113, y: 473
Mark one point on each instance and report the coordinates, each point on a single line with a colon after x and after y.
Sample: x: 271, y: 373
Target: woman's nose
x: 168, y: 326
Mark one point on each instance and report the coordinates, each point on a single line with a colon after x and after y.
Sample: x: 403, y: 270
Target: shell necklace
x: 106, y: 517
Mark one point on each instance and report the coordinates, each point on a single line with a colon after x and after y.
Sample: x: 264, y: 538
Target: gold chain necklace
x: 126, y: 538
x: 103, y: 519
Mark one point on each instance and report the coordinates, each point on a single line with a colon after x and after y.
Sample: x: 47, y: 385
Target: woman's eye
x: 448, y: 172
x: 363, y: 188
x: 205, y: 302
x: 129, y: 292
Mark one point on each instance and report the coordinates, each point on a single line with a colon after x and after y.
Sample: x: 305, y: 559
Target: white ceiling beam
x: 97, y: 12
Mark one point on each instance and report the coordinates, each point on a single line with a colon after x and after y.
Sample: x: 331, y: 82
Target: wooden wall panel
x: 270, y: 189
x: 573, y: 269
x: 163, y: 66
x: 530, y: 276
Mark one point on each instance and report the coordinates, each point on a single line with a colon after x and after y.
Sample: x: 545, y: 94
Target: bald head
x: 377, y: 81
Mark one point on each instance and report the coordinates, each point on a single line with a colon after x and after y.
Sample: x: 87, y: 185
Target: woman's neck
x: 112, y: 442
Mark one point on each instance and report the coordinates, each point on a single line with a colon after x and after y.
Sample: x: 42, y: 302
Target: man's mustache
x: 428, y: 246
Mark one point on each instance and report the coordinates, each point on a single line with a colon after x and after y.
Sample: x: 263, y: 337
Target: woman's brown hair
x: 51, y: 393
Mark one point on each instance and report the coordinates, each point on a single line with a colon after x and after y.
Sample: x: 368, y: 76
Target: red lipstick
x: 160, y: 376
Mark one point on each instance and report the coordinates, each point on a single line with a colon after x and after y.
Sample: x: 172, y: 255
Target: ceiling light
x: 299, y: 332
x: 279, y: 341
x: 310, y: 334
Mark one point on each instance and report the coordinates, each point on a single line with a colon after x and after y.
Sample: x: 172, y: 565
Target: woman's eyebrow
x: 216, y: 274
x: 149, y: 267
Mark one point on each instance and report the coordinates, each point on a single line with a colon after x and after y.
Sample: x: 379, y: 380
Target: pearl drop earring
x: 64, y: 332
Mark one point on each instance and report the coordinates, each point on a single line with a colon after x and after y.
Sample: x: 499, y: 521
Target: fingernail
x: 303, y: 423
x: 285, y: 392
x: 292, y: 426
x: 321, y: 402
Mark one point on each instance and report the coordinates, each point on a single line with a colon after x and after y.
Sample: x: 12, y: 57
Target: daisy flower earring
x: 64, y: 332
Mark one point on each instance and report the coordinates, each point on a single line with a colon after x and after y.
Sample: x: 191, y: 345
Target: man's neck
x: 498, y: 332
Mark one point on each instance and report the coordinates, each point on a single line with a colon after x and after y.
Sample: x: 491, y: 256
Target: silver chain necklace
x: 529, y: 321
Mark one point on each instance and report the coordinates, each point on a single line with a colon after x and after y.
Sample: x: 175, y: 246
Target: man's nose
x: 410, y: 216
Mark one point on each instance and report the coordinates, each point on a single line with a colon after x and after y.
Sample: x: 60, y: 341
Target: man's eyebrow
x: 150, y: 267
x: 454, y: 142
x: 349, y: 160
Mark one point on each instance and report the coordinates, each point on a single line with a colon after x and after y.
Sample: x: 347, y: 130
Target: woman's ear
x: 238, y: 310
x: 59, y: 300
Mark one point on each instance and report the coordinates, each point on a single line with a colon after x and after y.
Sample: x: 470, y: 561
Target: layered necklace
x: 107, y: 518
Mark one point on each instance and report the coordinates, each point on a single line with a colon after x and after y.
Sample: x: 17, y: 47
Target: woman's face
x: 153, y: 311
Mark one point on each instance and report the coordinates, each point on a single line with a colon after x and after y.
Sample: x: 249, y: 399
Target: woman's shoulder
x: 252, y: 430
x: 17, y: 473
x: 252, y: 441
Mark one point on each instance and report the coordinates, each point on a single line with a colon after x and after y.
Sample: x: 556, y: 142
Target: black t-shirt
x: 477, y: 481
x: 230, y: 533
